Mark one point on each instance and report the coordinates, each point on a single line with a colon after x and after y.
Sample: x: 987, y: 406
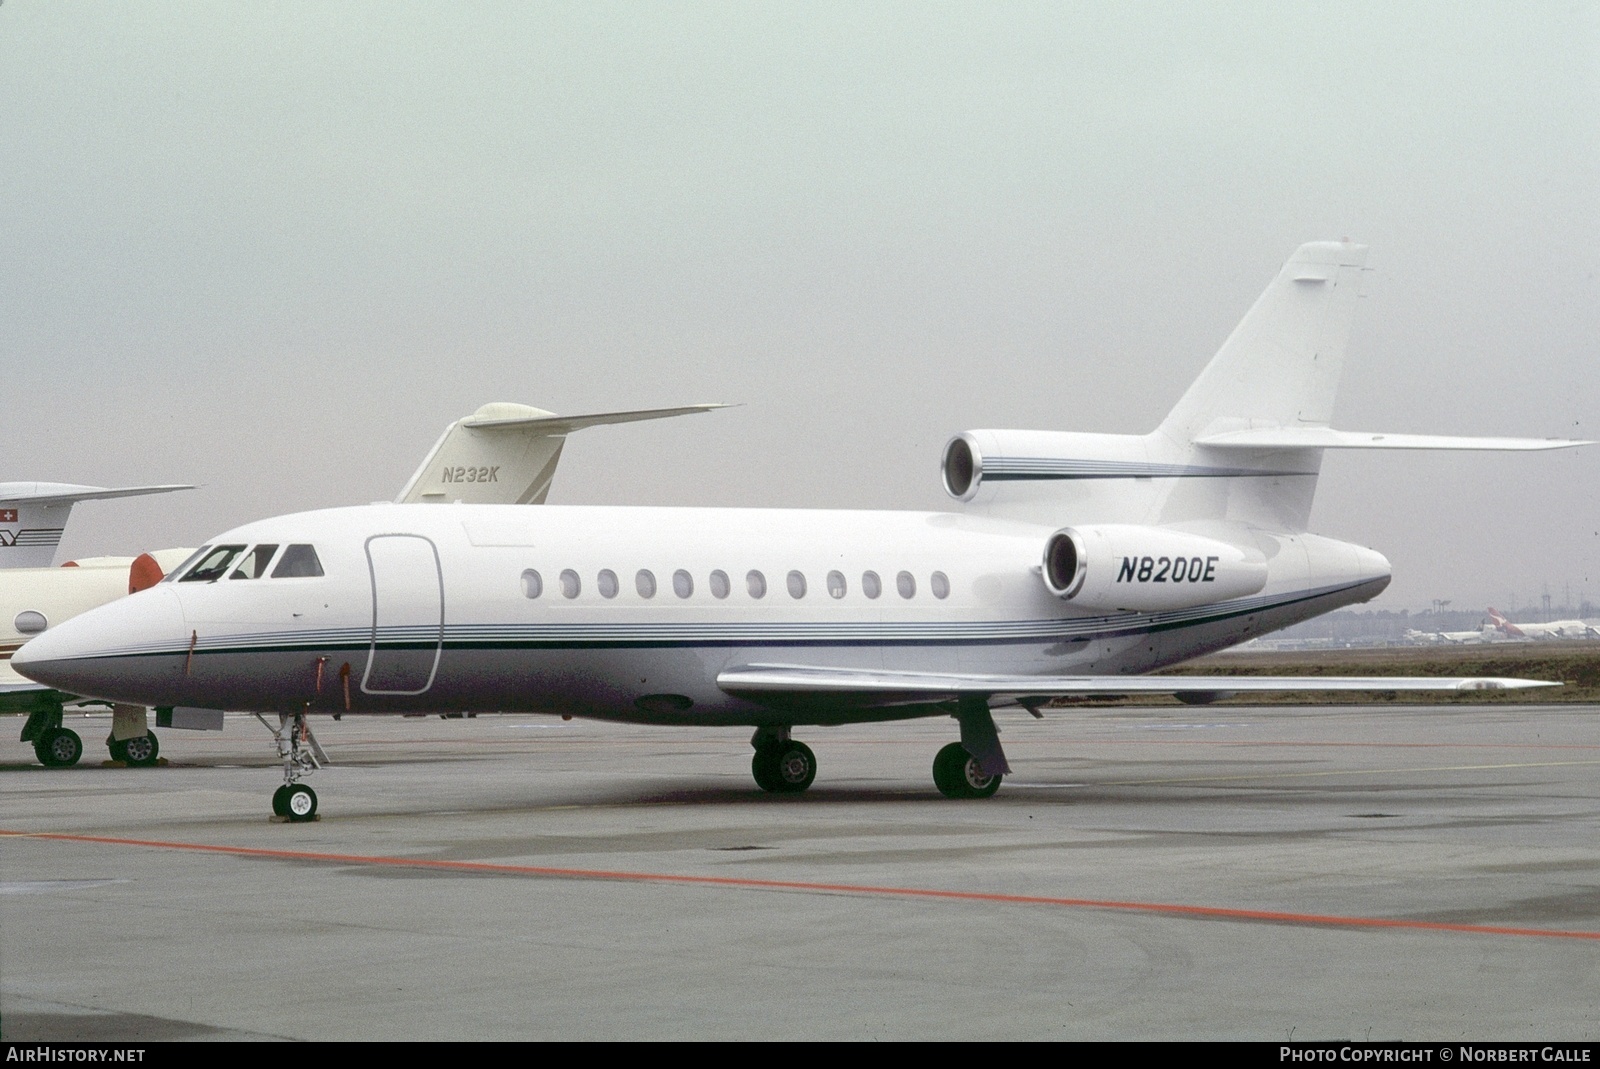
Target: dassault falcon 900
x: 1076, y: 564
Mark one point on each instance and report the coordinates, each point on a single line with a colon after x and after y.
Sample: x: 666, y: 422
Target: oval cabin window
x: 906, y: 583
x: 836, y: 585
x: 29, y: 622
x: 939, y: 583
x: 532, y: 584
x: 720, y: 587
x: 756, y: 584
x: 682, y: 583
x: 607, y: 583
x: 570, y: 584
x: 645, y: 583
x: 871, y: 585
x: 797, y: 585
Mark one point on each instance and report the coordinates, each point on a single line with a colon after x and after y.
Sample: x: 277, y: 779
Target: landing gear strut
x: 781, y: 765
x: 301, y: 756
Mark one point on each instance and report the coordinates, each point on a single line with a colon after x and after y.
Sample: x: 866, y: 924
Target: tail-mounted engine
x: 1129, y: 568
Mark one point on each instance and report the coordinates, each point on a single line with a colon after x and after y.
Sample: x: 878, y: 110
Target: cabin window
x: 173, y: 575
x: 571, y: 585
x: 720, y: 587
x: 606, y: 582
x: 298, y: 562
x: 756, y: 583
x: 213, y: 566
x: 797, y: 585
x: 871, y: 585
x: 682, y: 583
x: 532, y: 583
x: 30, y: 622
x: 254, y: 565
x: 645, y: 583
x: 906, y: 583
x: 836, y: 585
x: 939, y: 583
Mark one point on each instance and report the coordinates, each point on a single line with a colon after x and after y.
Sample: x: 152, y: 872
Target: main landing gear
x: 973, y: 767
x: 301, y: 756
x: 54, y: 745
x: 781, y: 765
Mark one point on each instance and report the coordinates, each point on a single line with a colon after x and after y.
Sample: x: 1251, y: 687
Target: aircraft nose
x: 98, y: 654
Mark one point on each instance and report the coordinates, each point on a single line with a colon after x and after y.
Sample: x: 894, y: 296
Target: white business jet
x: 1076, y: 564
x: 502, y: 453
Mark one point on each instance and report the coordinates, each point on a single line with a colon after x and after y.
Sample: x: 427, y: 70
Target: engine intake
x: 1131, y: 568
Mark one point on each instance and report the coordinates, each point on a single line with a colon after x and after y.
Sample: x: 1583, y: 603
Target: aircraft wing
x: 1328, y: 438
x: 871, y: 687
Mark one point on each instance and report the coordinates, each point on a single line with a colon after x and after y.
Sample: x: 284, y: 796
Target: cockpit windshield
x: 298, y: 562
x: 254, y: 564
x: 212, y: 566
x: 172, y: 576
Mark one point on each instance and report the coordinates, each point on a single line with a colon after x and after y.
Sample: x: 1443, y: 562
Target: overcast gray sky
x: 274, y: 248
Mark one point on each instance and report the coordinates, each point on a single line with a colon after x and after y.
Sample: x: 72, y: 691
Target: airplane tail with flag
x: 33, y: 516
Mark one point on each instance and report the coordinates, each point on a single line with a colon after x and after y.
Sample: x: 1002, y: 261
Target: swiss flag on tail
x: 8, y: 515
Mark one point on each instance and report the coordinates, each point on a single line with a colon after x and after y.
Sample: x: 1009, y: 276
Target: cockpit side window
x: 212, y: 566
x: 172, y: 576
x: 254, y: 564
x: 298, y: 562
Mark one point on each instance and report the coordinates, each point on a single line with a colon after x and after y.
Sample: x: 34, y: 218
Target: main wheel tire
x: 118, y: 749
x: 141, y: 750
x: 58, y: 748
x: 280, y: 801
x: 957, y: 775
x: 301, y: 803
x: 796, y: 767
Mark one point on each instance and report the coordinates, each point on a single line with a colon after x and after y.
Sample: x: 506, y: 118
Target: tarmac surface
x: 1353, y: 872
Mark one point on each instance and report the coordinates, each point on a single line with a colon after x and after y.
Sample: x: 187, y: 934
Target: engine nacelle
x: 1130, y: 568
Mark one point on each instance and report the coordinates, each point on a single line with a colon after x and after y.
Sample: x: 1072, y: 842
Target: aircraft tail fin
x: 1280, y: 367
x: 1243, y: 444
x: 34, y: 515
x: 506, y: 454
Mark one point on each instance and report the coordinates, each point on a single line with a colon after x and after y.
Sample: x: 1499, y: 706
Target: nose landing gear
x: 301, y: 755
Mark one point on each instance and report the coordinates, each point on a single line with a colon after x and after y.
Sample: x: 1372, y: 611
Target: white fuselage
x: 427, y: 608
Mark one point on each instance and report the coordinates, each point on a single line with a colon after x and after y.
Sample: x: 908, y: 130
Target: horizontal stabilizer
x: 765, y: 682
x: 550, y: 423
x: 66, y: 493
x: 1328, y: 438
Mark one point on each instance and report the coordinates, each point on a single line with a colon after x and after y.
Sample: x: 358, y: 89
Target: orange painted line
x: 865, y: 890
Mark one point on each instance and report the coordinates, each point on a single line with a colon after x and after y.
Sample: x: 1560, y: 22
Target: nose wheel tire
x: 957, y: 775
x: 58, y: 748
x: 139, y: 751
x: 295, y: 801
x: 787, y: 768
